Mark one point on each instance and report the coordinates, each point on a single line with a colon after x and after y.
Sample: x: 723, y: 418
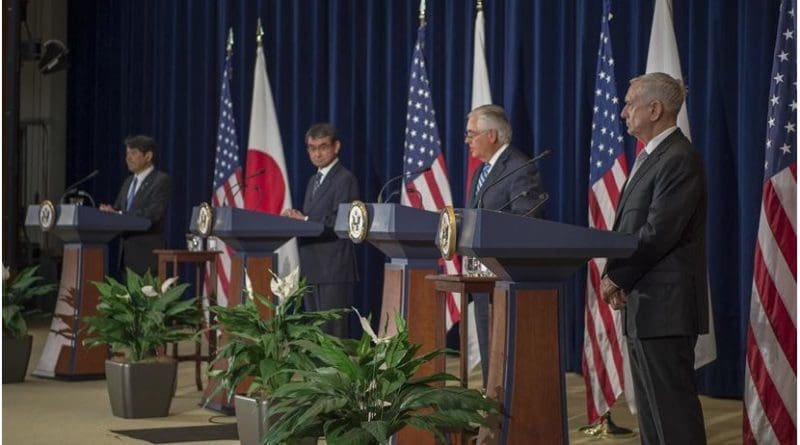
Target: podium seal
x: 357, y: 222
x: 205, y: 219
x: 446, y: 236
x: 47, y: 216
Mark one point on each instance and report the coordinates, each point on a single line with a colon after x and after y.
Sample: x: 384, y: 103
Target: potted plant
x: 253, y: 362
x: 136, y: 320
x: 16, y: 340
x: 368, y: 391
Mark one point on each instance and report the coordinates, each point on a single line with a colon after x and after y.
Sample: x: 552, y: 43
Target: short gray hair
x: 662, y: 87
x: 493, y: 117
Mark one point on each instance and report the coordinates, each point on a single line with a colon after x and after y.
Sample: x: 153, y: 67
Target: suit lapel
x: 496, y: 172
x: 644, y: 170
x: 324, y: 187
x: 146, y: 183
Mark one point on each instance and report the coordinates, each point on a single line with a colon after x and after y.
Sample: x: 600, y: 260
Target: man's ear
x: 336, y: 147
x: 656, y: 110
x: 149, y: 156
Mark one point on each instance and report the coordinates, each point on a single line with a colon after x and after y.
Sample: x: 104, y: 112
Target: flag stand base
x: 605, y: 428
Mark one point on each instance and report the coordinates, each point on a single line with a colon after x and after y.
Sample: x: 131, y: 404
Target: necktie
x: 317, y: 182
x: 131, y: 194
x: 638, y: 163
x: 482, y: 177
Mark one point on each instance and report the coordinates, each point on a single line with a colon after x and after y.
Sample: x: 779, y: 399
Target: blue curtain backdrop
x: 154, y: 67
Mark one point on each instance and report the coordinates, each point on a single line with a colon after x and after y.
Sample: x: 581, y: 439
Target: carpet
x: 184, y: 433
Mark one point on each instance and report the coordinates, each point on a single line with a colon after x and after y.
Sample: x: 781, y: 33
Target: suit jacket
x: 327, y: 258
x: 504, y: 194
x: 664, y: 206
x: 150, y: 202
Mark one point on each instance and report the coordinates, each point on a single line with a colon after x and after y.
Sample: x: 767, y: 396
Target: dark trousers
x: 482, y: 327
x: 332, y: 296
x: 666, y: 390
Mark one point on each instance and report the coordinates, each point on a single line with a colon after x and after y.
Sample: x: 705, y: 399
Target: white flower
x: 287, y: 286
x: 149, y: 291
x: 126, y: 297
x: 6, y: 273
x: 168, y: 283
x: 368, y: 329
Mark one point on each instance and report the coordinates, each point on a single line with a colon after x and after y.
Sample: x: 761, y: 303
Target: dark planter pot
x: 138, y: 390
x: 252, y: 422
x: 16, y: 354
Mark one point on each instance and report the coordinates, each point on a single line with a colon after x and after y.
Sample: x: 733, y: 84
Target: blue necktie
x: 131, y: 194
x: 317, y: 182
x: 482, y: 177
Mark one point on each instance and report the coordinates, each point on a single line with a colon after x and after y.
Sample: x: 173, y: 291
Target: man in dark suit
x: 496, y: 186
x: 661, y: 288
x: 327, y: 262
x: 145, y: 193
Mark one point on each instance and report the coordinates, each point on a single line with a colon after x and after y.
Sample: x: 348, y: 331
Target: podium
x: 254, y: 237
x: 406, y: 235
x: 531, y: 258
x: 86, y: 232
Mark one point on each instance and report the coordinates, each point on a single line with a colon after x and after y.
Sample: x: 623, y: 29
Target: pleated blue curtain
x: 154, y: 67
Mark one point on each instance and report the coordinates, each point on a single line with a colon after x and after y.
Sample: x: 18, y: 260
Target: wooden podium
x: 86, y: 232
x: 532, y: 258
x: 254, y: 237
x: 406, y: 235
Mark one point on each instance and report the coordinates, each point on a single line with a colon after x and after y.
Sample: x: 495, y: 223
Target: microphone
x: 239, y: 186
x: 511, y: 201
x: 395, y: 178
x: 386, y: 184
x: 74, y: 186
x: 543, y: 198
x: 530, y: 161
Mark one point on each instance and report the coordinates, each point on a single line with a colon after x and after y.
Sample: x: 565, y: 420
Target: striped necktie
x: 317, y: 182
x: 482, y: 178
x: 131, y: 194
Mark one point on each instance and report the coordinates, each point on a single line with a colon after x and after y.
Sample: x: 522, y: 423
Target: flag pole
x: 229, y: 47
x: 259, y: 33
x: 479, y: 6
x: 422, y: 13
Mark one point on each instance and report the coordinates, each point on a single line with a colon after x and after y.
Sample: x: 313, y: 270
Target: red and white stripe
x: 227, y: 195
x: 604, y: 351
x: 770, y: 392
x: 431, y: 191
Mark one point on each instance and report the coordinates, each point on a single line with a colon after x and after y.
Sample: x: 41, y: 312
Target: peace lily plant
x: 142, y: 315
x: 260, y: 351
x: 365, y: 391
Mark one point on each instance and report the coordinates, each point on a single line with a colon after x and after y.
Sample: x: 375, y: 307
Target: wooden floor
x: 43, y: 411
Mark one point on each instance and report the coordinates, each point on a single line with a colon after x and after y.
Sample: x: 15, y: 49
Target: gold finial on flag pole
x: 259, y: 32
x: 229, y: 47
x: 422, y: 12
x: 479, y: 7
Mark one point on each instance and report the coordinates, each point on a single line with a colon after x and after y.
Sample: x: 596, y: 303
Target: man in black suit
x: 327, y: 262
x: 145, y: 193
x: 488, y: 136
x: 661, y: 288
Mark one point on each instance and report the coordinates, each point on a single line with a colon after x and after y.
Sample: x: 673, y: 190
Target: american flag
x: 227, y: 177
x: 603, y: 350
x: 770, y: 397
x: 427, y: 185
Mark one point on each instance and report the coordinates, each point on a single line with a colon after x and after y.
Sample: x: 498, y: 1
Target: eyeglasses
x: 471, y: 135
x: 318, y: 148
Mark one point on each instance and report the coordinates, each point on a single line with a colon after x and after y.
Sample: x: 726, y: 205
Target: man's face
x: 322, y: 151
x: 636, y: 113
x: 137, y: 160
x: 482, y: 144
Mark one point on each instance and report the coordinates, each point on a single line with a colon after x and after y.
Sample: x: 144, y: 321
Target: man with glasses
x: 327, y: 262
x: 145, y: 193
x: 497, y: 186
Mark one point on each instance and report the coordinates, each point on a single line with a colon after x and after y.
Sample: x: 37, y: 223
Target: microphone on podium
x: 530, y: 161
x: 243, y: 185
